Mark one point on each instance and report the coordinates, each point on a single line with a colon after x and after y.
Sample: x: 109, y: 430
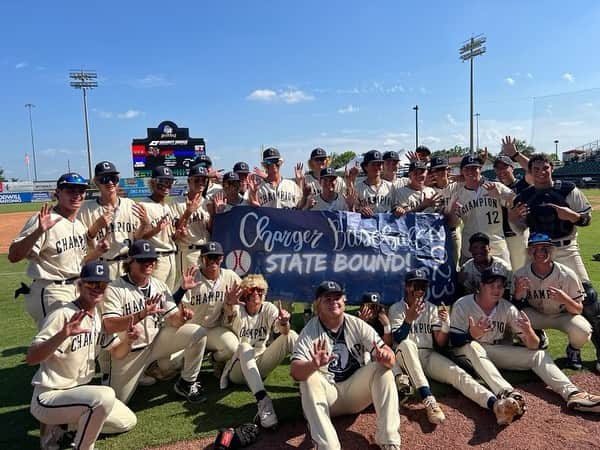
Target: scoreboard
x: 166, y: 145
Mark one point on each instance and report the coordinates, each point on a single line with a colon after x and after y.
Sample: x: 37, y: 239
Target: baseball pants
x: 125, y: 373
x: 45, y: 296
x: 222, y: 342
x: 517, y: 249
x: 188, y: 257
x: 485, y: 358
x: 252, y: 370
x: 577, y: 328
x: 371, y: 384
x: 425, y: 362
x: 166, y: 270
x: 456, y: 239
x: 94, y: 410
x: 569, y: 256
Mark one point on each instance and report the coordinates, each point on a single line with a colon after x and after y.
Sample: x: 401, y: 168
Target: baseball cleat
x: 573, y: 358
x: 390, y: 447
x: 146, y: 380
x: 505, y: 410
x: 192, y: 391
x: 435, y: 415
x: 266, y: 413
x: 543, y: 339
x: 405, y: 389
x: 585, y: 402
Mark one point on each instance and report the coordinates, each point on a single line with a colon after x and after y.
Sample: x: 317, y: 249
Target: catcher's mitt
x: 508, y: 407
x: 238, y: 437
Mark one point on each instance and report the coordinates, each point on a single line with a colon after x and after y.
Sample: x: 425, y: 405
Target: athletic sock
x: 424, y: 392
x: 491, y: 402
x: 260, y: 395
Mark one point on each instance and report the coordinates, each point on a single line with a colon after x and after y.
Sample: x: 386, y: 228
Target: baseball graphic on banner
x: 239, y: 261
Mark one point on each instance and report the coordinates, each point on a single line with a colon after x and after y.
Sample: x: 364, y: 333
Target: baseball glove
x: 238, y: 437
x: 509, y: 407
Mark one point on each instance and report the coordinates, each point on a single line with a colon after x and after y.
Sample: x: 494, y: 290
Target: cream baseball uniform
x: 447, y: 193
x: 157, y: 341
x: 348, y: 384
x: 407, y: 197
x: 197, y: 232
x: 206, y: 300
x: 495, y: 349
x: 54, y: 264
x: 166, y: 267
x: 253, y: 360
x: 338, y: 204
x: 61, y: 392
x: 120, y: 231
x: 472, y: 275
x: 315, y: 185
x: 481, y: 211
x: 286, y: 195
x: 544, y: 312
x: 379, y: 198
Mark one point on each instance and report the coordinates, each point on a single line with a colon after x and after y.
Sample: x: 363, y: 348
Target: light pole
x: 556, y: 148
x: 29, y: 106
x: 416, y: 109
x: 477, y: 126
x: 470, y: 49
x: 84, y: 81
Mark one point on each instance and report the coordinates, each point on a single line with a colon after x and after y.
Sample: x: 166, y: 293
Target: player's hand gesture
x: 319, y: 354
x: 383, y: 355
x: 443, y: 313
x: 233, y: 295
x: 509, y: 146
x: 483, y: 155
x: 522, y: 287
x: 353, y: 173
x: 219, y: 202
x: 186, y: 313
x: 214, y: 174
x: 456, y: 178
x: 153, y: 306
x: 350, y: 197
x: 163, y: 223
x: 260, y: 173
x: 564, y: 212
x: 412, y: 156
x: 518, y: 212
x: 73, y: 325
x: 491, y: 187
x: 133, y: 331
x: 383, y: 317
x: 253, y: 186
x: 483, y: 325
x: 415, y: 310
x: 456, y: 208
x: 299, y: 174
x: 524, y: 323
x: 559, y: 296
x: 45, y: 222
x: 432, y: 201
x: 284, y: 315
x: 192, y: 204
x: 188, y: 280
x: 366, y: 312
x: 140, y: 212
x: 399, y: 211
x: 103, y: 245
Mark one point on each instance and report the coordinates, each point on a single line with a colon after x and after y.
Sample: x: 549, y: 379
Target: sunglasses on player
x: 111, y: 178
x: 252, y: 290
x: 96, y: 285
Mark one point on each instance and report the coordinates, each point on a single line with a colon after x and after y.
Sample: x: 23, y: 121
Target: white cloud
x: 151, y: 81
x: 397, y: 135
x: 516, y: 128
x: 21, y: 65
x: 431, y: 140
x: 390, y: 142
x: 53, y: 152
x: 395, y: 88
x: 130, y: 114
x: 289, y: 96
x: 295, y: 96
x: 451, y: 120
x: 459, y: 138
x: 262, y: 95
x: 530, y: 76
x: 348, y: 109
x: 567, y: 76
x: 105, y: 114
x: 510, y: 81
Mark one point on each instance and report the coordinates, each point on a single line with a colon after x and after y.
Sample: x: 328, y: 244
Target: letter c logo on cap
x: 146, y: 247
x: 100, y: 270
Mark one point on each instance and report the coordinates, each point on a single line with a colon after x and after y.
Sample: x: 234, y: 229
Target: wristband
x: 387, y: 329
x: 445, y: 327
x: 514, y: 157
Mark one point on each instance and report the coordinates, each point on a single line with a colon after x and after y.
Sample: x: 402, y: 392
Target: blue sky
x: 295, y: 75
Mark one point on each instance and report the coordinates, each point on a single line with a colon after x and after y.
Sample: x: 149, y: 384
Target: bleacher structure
x: 581, y: 165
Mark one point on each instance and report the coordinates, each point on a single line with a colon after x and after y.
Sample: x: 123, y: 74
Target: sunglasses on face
x: 145, y: 261
x: 252, y: 290
x: 105, y: 179
x: 96, y: 285
x: 164, y: 184
x: 212, y: 257
x: 271, y: 162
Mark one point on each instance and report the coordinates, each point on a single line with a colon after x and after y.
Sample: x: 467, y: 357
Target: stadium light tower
x: 470, y: 49
x: 29, y: 106
x: 416, y: 109
x: 556, y: 148
x: 84, y: 81
x: 477, y: 123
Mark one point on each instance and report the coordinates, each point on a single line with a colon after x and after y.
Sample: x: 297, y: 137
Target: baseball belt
x: 194, y: 247
x: 561, y: 243
x: 117, y: 258
x: 166, y: 253
x: 63, y: 282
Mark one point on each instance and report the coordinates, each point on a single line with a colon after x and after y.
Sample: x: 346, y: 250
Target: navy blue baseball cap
x: 198, y: 170
x: 437, y: 162
x: 538, y: 239
x: 71, y: 179
x: 95, y: 271
x: 391, y: 155
x: 230, y: 176
x: 423, y: 149
x: 212, y: 248
x: 203, y: 160
x: 494, y: 271
x: 241, y: 167
x: 372, y: 156
x: 163, y: 172
x: 318, y: 153
x: 418, y: 164
x: 416, y: 275
x: 504, y: 160
x: 142, y: 249
x: 370, y: 297
x: 328, y: 172
x: 470, y: 160
x: 327, y: 287
x: 271, y: 154
x: 105, y: 168
x: 479, y: 237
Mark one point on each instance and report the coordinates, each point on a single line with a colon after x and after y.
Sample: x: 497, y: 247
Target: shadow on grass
x: 17, y: 428
x: 14, y: 351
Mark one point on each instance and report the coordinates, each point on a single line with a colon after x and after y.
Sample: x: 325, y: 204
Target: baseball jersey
x: 481, y: 211
x: 379, y: 197
x: 399, y: 182
x: 59, y: 252
x: 123, y: 298
x: 213, y: 189
x: 504, y: 319
x: 286, y: 195
x: 256, y: 329
x: 446, y: 193
x: 206, y: 299
x: 407, y: 197
x: 123, y: 225
x: 351, y: 344
x: 315, y: 186
x: 421, y: 329
x: 73, y: 363
x: 338, y: 204
x: 561, y: 277
x: 242, y: 200
x: 197, y: 231
x: 472, y: 275
x: 163, y: 240
x: 517, y: 186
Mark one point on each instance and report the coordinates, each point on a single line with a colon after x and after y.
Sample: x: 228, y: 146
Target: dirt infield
x: 547, y: 423
x: 10, y: 225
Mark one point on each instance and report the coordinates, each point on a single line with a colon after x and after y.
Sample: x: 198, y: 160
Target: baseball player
x: 557, y: 208
x: 552, y: 295
x: 374, y: 313
x: 206, y: 300
x: 275, y: 191
x: 415, y: 324
x: 229, y: 197
x: 65, y: 347
x: 242, y: 169
x: 391, y: 163
x: 192, y: 218
x: 253, y: 320
x: 336, y: 377
x: 55, y: 243
x: 119, y: 219
x: 479, y: 205
x: 329, y: 198
x: 482, y: 328
x: 469, y: 276
x: 415, y: 196
x: 141, y: 302
x: 161, y: 232
x: 213, y: 175
x: 317, y: 162
x: 373, y: 194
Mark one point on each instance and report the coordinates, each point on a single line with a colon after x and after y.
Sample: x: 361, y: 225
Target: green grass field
x: 162, y: 416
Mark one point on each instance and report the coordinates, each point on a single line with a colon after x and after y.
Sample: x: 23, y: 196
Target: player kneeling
x: 336, y: 377
x: 253, y: 320
x: 483, y: 326
x: 66, y: 348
